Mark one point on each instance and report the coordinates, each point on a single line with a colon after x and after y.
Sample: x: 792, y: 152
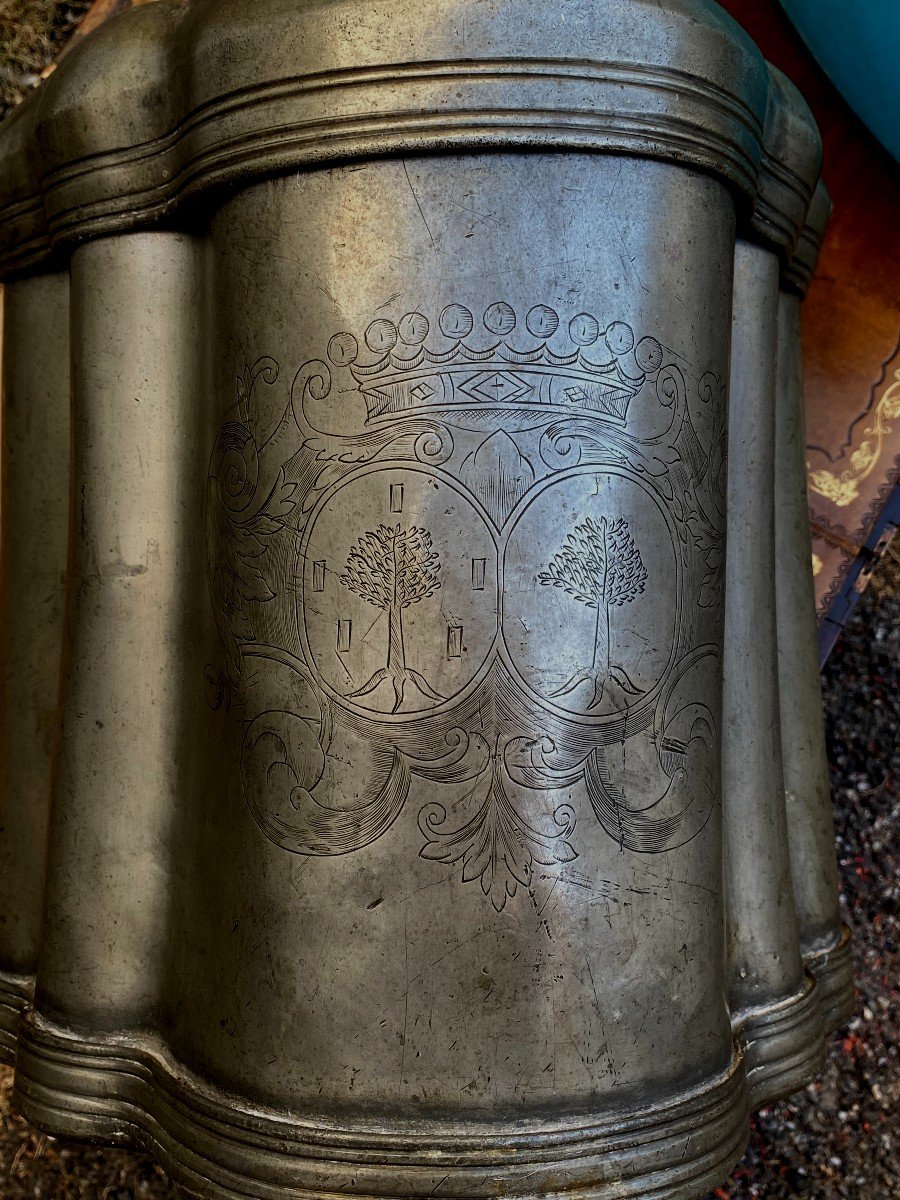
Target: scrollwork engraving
x: 468, y: 581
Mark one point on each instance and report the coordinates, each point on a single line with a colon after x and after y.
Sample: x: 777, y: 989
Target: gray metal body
x: 33, y: 550
x: 824, y: 939
x: 775, y: 1006
x: 386, y: 846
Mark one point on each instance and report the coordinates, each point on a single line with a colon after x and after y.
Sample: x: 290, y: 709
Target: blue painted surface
x: 857, y: 44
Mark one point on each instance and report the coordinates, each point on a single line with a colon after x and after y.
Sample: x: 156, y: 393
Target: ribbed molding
x: 802, y: 265
x: 16, y: 994
x: 783, y: 1044
x: 213, y: 1145
x: 832, y: 968
x: 791, y: 162
x: 169, y: 100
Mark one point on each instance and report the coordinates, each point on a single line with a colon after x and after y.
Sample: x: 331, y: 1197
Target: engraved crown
x: 594, y: 371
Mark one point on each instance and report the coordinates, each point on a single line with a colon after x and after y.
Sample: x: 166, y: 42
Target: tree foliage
x: 599, y: 564
x: 390, y: 565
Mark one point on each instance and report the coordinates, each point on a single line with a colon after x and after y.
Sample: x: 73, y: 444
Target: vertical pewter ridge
x: 824, y: 939
x: 35, y: 522
x: 775, y: 1007
x: 134, y: 381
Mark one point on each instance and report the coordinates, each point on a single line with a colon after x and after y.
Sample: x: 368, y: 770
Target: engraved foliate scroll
x: 465, y: 539
x: 477, y: 552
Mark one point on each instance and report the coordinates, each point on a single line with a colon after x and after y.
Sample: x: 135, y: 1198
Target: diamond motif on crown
x: 499, y: 387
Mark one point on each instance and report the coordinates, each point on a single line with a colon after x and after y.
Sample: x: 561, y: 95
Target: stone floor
x: 32, y: 33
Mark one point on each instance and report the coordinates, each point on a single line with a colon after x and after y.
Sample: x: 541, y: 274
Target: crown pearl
x: 456, y: 321
x: 619, y: 337
x: 414, y: 328
x: 542, y: 321
x: 584, y: 329
x: 500, y: 318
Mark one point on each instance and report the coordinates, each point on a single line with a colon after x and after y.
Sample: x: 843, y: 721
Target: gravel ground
x: 836, y: 1139
x: 32, y: 33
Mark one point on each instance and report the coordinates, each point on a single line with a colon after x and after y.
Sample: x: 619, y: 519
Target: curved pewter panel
x: 799, y: 272
x: 791, y: 163
x: 169, y: 100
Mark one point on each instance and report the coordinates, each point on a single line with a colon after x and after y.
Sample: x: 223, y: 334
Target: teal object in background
x: 857, y: 44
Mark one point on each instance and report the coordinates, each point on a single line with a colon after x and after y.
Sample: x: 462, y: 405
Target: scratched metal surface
x: 400, y: 552
x: 836, y: 1140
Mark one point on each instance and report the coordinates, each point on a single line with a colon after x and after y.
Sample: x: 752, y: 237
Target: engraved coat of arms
x: 475, y: 564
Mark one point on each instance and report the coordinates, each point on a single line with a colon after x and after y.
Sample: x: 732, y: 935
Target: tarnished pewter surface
x: 386, y: 851
x: 794, y: 1143
x: 33, y: 550
x: 764, y: 962
x: 824, y: 939
x: 832, y: 967
x: 451, y: 658
x: 215, y: 1144
x: 807, y: 787
x: 791, y: 162
x: 802, y: 264
x: 169, y: 100
x: 775, y: 1007
x: 16, y: 994
x: 121, y: 760
x: 435, y: 834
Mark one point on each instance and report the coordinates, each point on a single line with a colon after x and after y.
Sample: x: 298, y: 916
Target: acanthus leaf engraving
x: 238, y: 532
x: 497, y: 845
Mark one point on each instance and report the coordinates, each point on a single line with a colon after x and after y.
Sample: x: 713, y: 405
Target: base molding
x: 832, y: 968
x: 16, y: 992
x: 213, y: 1144
x: 784, y: 1044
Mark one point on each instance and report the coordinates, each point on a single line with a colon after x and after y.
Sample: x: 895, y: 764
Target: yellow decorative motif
x: 816, y: 563
x: 843, y: 489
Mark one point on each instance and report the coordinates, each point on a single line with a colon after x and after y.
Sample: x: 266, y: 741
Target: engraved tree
x: 601, y: 567
x: 393, y: 568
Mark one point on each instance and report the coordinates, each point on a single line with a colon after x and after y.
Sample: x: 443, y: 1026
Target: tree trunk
x: 396, y: 660
x: 600, y: 664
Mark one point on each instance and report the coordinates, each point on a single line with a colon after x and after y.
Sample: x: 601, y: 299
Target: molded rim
x: 16, y: 992
x: 784, y: 1044
x: 832, y: 968
x: 165, y: 102
x: 214, y: 1144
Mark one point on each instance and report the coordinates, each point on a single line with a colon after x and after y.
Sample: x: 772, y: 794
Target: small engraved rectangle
x: 478, y: 571
x: 396, y: 497
x: 318, y: 575
x: 454, y: 641
x: 343, y: 635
